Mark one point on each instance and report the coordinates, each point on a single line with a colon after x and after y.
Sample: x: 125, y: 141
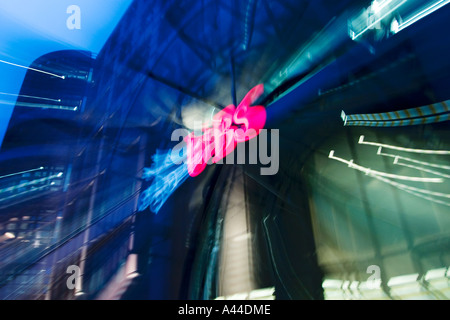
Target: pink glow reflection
x: 230, y: 126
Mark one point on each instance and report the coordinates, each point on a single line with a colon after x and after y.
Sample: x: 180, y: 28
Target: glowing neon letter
x: 230, y: 126
x: 250, y: 117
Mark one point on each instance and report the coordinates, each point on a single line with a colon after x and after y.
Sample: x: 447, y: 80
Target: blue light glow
x: 35, y: 28
x: 167, y: 176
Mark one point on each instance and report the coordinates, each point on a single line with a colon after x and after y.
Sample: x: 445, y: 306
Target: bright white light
x: 261, y: 293
x: 29, y: 183
x: 332, y: 284
x: 258, y: 294
x: 371, y: 172
x: 41, y: 71
x: 38, y: 105
x: 133, y: 275
x: 402, y: 280
x: 421, y: 193
x: 10, y: 235
x: 422, y: 14
x: 378, y: 20
x: 31, y: 97
x: 394, y: 26
x: 344, y: 117
x: 387, y: 146
x: 410, y: 283
x: 435, y: 274
x: 434, y: 165
x: 21, y: 172
x: 405, y: 187
x: 421, y: 169
x: 22, y: 193
x: 375, y: 6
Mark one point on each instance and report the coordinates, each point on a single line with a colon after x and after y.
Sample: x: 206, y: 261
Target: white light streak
x: 376, y: 7
x: 378, y: 20
x: 387, y: 146
x: 32, y: 69
x: 422, y: 169
x: 31, y: 97
x: 32, y: 182
x: 371, y: 172
x: 24, y: 192
x: 422, y: 14
x: 434, y: 165
x: 425, y: 194
x: 21, y: 172
x: 39, y: 105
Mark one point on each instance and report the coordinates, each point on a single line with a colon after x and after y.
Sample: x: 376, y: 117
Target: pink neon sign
x: 230, y: 126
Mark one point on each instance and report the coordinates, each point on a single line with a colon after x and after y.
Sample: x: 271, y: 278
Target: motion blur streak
x: 387, y: 146
x: 437, y: 112
x: 371, y: 172
x: 434, y: 165
x: 417, y: 191
x: 166, y: 176
x: 95, y: 168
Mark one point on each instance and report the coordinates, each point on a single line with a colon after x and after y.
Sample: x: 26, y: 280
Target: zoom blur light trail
x: 388, y: 146
x: 230, y: 126
x: 21, y: 172
x: 397, y: 157
x: 166, y: 177
x: 437, y: 112
x: 422, y: 14
x: 170, y: 168
x: 371, y: 172
x: 32, y: 69
x: 30, y: 97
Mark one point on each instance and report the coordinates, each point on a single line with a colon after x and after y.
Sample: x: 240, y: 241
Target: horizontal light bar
x: 371, y: 172
x: 32, y: 182
x: 39, y: 105
x: 434, y: 165
x: 24, y: 192
x: 387, y: 146
x: 413, y: 189
x: 21, y: 172
x: 32, y: 69
x: 422, y: 14
x: 31, y: 97
x: 422, y: 169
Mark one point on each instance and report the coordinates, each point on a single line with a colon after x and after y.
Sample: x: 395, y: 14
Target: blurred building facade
x: 73, y: 158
